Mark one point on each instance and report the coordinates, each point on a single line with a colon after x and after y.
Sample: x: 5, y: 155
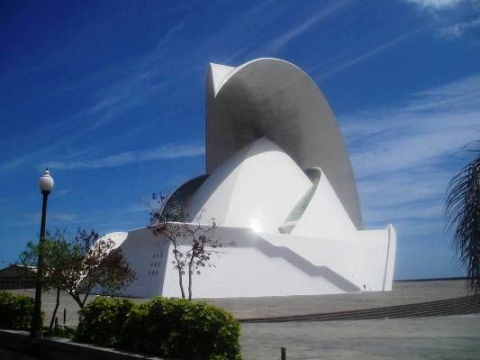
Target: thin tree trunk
x: 57, y: 304
x: 85, y: 299
x: 179, y: 268
x: 190, y: 264
x: 77, y: 299
x: 189, y: 285
x: 180, y: 282
x: 180, y: 276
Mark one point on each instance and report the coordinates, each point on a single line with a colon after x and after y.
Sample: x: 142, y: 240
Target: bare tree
x: 462, y: 208
x: 193, y: 244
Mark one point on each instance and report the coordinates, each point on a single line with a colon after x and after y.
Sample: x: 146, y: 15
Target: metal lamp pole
x: 46, y: 185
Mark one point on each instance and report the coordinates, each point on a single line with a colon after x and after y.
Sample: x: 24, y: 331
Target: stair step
x: 456, y: 306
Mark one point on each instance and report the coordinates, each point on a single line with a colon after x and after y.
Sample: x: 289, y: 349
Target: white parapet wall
x: 265, y: 264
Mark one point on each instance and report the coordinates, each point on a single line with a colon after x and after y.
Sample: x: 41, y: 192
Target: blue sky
x: 110, y: 95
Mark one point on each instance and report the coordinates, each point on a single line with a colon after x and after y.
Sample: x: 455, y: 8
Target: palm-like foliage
x: 463, y: 211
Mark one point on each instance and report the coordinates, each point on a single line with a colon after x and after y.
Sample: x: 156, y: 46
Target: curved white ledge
x: 276, y: 99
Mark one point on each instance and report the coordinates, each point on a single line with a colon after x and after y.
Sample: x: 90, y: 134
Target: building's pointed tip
x: 217, y: 74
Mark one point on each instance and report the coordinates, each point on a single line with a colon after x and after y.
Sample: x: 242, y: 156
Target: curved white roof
x: 256, y: 188
x: 273, y: 98
x: 117, y: 237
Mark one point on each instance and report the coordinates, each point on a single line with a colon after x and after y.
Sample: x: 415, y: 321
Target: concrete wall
x: 59, y: 348
x: 266, y: 264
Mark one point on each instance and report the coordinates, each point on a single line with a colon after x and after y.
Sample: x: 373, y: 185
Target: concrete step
x: 455, y: 306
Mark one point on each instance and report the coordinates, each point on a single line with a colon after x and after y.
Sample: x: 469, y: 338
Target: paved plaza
x: 243, y: 308
x: 435, y: 338
x: 445, y: 337
x: 403, y: 293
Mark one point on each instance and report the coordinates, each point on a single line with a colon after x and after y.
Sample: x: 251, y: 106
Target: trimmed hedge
x: 174, y: 328
x: 16, y: 311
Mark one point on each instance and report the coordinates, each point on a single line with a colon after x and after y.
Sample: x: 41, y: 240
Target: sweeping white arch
x: 276, y: 99
x: 279, y: 185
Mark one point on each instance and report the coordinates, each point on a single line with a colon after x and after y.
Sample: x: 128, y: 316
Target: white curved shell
x: 256, y: 188
x: 325, y: 216
x: 277, y: 165
x: 273, y: 98
x: 117, y: 237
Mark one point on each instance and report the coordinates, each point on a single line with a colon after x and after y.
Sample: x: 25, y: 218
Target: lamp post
x: 46, y: 185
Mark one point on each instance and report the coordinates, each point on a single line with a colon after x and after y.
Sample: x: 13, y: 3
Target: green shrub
x: 165, y: 327
x: 101, y: 321
x: 133, y: 333
x: 16, y: 311
x: 59, y: 331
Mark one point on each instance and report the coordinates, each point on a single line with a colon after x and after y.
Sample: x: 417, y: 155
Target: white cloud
x: 116, y: 96
x: 404, y: 156
x: 458, y: 30
x: 370, y: 53
x: 309, y: 23
x: 433, y: 125
x: 170, y: 151
x: 428, y: 212
x: 57, y: 217
x: 146, y: 77
x: 404, y: 187
x: 61, y: 192
x: 435, y: 4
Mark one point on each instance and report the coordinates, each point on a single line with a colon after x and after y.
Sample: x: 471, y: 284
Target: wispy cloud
x: 12, y: 164
x: 456, y: 31
x: 147, y: 76
x: 114, y: 99
x: 313, y: 20
x: 435, y: 4
x: 370, y: 53
x: 433, y: 124
x: 405, y: 155
x: 33, y: 218
x: 406, y: 212
x: 170, y: 151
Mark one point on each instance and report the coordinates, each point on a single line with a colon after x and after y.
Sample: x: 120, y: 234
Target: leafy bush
x: 16, y: 311
x: 102, y: 320
x: 165, y: 327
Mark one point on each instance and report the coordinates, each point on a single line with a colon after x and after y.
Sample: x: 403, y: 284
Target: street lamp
x: 46, y: 185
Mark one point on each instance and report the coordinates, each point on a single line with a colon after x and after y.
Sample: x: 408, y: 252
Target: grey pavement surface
x: 447, y: 337
x: 403, y: 293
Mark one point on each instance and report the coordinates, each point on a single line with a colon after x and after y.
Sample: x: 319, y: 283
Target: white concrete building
x: 280, y: 185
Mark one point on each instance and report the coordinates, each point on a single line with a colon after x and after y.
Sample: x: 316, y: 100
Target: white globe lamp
x: 46, y: 182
